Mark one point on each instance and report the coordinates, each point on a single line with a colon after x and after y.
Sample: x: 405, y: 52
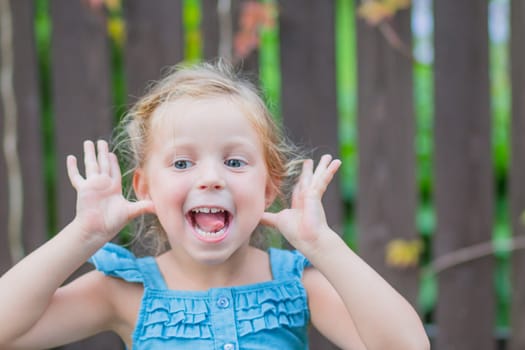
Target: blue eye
x: 182, y: 164
x: 234, y: 163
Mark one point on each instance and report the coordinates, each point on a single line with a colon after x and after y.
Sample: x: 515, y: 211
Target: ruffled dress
x: 267, y: 315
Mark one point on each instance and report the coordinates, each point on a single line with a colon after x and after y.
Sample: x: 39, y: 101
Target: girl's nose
x: 210, y: 178
x: 211, y: 184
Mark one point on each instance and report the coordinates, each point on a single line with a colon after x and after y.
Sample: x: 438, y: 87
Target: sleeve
x: 116, y: 261
x: 288, y: 264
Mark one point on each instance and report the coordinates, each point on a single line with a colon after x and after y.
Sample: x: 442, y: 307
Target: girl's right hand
x: 101, y: 210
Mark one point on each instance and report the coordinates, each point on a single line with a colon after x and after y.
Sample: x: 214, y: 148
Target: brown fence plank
x: 81, y: 88
x: 517, y: 172
x: 387, y: 184
x: 210, y: 29
x: 463, y: 173
x: 154, y: 41
x: 81, y: 102
x: 29, y: 141
x: 29, y: 127
x: 5, y: 257
x: 309, y: 91
x: 309, y: 105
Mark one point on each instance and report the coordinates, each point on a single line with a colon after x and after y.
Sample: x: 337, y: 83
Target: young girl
x: 206, y: 163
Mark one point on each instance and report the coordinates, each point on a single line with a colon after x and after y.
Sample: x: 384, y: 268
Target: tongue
x: 210, y: 222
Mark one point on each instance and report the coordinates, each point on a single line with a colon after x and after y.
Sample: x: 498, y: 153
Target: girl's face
x: 206, y: 175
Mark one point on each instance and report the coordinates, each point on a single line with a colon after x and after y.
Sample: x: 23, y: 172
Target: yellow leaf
x: 403, y: 253
x: 112, y: 5
x: 374, y: 12
x: 396, y: 5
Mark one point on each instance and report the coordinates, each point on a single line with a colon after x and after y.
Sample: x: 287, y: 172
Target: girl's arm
x: 382, y: 317
x: 35, y: 312
x: 35, y: 315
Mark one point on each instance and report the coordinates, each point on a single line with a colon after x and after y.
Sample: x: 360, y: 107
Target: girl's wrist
x: 326, y: 241
x: 330, y: 253
x: 92, y: 239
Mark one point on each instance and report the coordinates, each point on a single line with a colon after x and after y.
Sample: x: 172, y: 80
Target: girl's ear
x: 270, y: 193
x: 140, y: 185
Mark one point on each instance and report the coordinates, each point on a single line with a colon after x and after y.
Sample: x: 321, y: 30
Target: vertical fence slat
x: 308, y: 85
x: 29, y: 125
x: 81, y: 102
x: 387, y: 184
x: 517, y: 171
x: 154, y: 41
x: 309, y: 91
x: 81, y: 88
x: 463, y: 173
x: 5, y: 257
x: 25, y: 83
x: 210, y: 29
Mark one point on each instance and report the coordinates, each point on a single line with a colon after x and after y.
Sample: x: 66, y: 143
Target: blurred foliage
x: 43, y: 47
x: 269, y: 61
x: 191, y: 19
x: 254, y: 17
x: 500, y: 104
x: 346, y: 79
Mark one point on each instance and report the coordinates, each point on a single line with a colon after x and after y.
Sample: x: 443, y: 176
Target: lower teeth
x: 209, y: 234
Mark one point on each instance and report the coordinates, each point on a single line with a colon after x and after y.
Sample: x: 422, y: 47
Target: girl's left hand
x: 305, y: 222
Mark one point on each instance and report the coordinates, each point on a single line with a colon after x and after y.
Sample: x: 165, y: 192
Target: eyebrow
x: 181, y: 142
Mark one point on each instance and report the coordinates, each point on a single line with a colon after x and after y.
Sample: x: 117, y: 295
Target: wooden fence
x: 387, y: 193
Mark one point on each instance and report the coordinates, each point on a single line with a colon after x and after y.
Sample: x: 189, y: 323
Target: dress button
x: 228, y: 346
x: 223, y: 303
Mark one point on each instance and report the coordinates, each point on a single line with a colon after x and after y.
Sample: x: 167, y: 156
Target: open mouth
x: 210, y: 224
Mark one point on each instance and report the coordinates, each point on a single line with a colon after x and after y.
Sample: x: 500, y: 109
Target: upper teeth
x: 208, y: 210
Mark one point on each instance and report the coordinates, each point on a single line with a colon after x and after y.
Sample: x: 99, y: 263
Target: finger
x: 307, y: 172
x: 327, y: 175
x: 334, y: 166
x: 72, y: 171
x: 102, y: 157
x: 302, y: 183
x: 90, y: 160
x: 322, y: 166
x: 140, y: 207
x: 114, y: 166
x: 296, y: 196
x: 269, y: 219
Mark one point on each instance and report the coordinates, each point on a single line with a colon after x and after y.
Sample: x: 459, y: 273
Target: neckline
x: 155, y: 280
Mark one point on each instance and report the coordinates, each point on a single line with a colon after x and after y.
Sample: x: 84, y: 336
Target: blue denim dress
x: 268, y: 315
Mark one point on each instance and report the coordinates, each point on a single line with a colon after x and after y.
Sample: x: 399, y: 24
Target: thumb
x: 269, y: 219
x: 141, y: 207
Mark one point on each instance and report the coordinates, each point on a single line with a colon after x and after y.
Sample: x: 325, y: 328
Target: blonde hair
x: 199, y: 81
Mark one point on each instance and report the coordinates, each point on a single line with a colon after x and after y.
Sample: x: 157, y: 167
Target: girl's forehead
x: 195, y: 111
x: 193, y: 118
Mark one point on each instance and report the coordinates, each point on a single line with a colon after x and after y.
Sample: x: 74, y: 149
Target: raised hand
x: 305, y: 222
x: 101, y: 209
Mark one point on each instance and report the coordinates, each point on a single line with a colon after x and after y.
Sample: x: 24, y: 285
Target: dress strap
x: 287, y: 263
x: 150, y: 273
x: 116, y: 261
